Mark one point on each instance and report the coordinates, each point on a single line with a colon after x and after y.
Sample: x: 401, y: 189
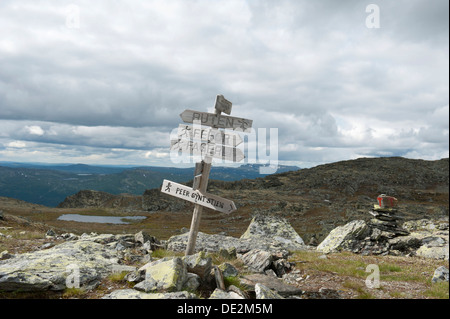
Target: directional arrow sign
x: 207, y: 134
x: 217, y: 120
x: 204, y: 199
x: 207, y: 149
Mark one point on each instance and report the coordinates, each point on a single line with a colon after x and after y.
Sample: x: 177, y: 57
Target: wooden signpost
x: 209, y: 142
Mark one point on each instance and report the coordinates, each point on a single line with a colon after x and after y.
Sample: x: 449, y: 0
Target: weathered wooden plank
x: 208, y: 134
x: 217, y: 120
x: 207, y: 149
x: 197, y: 197
x: 223, y: 105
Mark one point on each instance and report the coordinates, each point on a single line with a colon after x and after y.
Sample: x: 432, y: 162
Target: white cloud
x: 35, y: 130
x: 158, y: 154
x: 17, y: 144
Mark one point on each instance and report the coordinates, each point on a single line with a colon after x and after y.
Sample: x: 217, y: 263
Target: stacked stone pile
x: 361, y: 237
x: 386, y: 219
x: 384, y: 234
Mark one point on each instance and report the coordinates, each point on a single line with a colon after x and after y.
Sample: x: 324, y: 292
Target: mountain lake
x: 101, y: 219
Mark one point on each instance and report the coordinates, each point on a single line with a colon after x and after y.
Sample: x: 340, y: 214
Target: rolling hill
x: 314, y: 200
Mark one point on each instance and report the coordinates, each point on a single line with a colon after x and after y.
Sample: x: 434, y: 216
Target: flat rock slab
x: 271, y: 282
x: 83, y: 263
x: 204, y: 242
x: 263, y: 292
x: 274, y: 227
x: 257, y: 260
x: 134, y: 294
x: 164, y: 275
x: 214, y: 243
x: 343, y: 237
x: 265, y: 232
x: 440, y: 252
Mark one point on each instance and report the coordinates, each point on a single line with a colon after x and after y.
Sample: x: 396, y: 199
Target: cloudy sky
x: 104, y: 82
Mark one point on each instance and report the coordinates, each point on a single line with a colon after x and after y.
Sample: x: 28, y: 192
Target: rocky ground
x: 270, y: 260
x: 267, y: 248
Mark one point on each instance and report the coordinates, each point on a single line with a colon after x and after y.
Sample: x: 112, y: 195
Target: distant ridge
x: 50, y: 184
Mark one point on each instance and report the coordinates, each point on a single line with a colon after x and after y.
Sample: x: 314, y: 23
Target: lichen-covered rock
x: 264, y: 232
x: 192, y: 283
x: 199, y: 264
x: 280, y: 286
x: 263, y: 292
x: 229, y: 253
x: 204, y: 242
x: 257, y: 260
x: 405, y: 243
x: 142, y: 237
x: 228, y: 270
x: 274, y: 227
x: 83, y: 263
x: 345, y: 237
x: 100, y: 239
x: 282, y: 266
x: 440, y: 274
x: 430, y: 238
x: 164, y: 276
x: 425, y: 225
x: 221, y: 294
x: 134, y: 294
x: 433, y: 252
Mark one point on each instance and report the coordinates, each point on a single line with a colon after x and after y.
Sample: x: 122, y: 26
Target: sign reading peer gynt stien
x: 208, y: 142
x: 194, y: 196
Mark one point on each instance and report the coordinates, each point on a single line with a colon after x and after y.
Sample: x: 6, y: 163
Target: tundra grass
x: 415, y: 271
x: 438, y: 290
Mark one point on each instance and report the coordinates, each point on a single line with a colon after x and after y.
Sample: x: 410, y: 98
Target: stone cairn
x: 385, y: 216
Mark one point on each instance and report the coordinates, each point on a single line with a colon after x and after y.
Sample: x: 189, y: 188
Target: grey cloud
x: 415, y: 20
x: 145, y: 138
x: 312, y: 69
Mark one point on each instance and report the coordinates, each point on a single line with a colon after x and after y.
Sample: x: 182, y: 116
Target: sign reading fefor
x: 207, y: 149
x: 195, y: 196
x: 217, y: 120
x: 208, y: 134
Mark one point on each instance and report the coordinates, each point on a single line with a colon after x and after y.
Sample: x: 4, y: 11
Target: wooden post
x: 198, y: 209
